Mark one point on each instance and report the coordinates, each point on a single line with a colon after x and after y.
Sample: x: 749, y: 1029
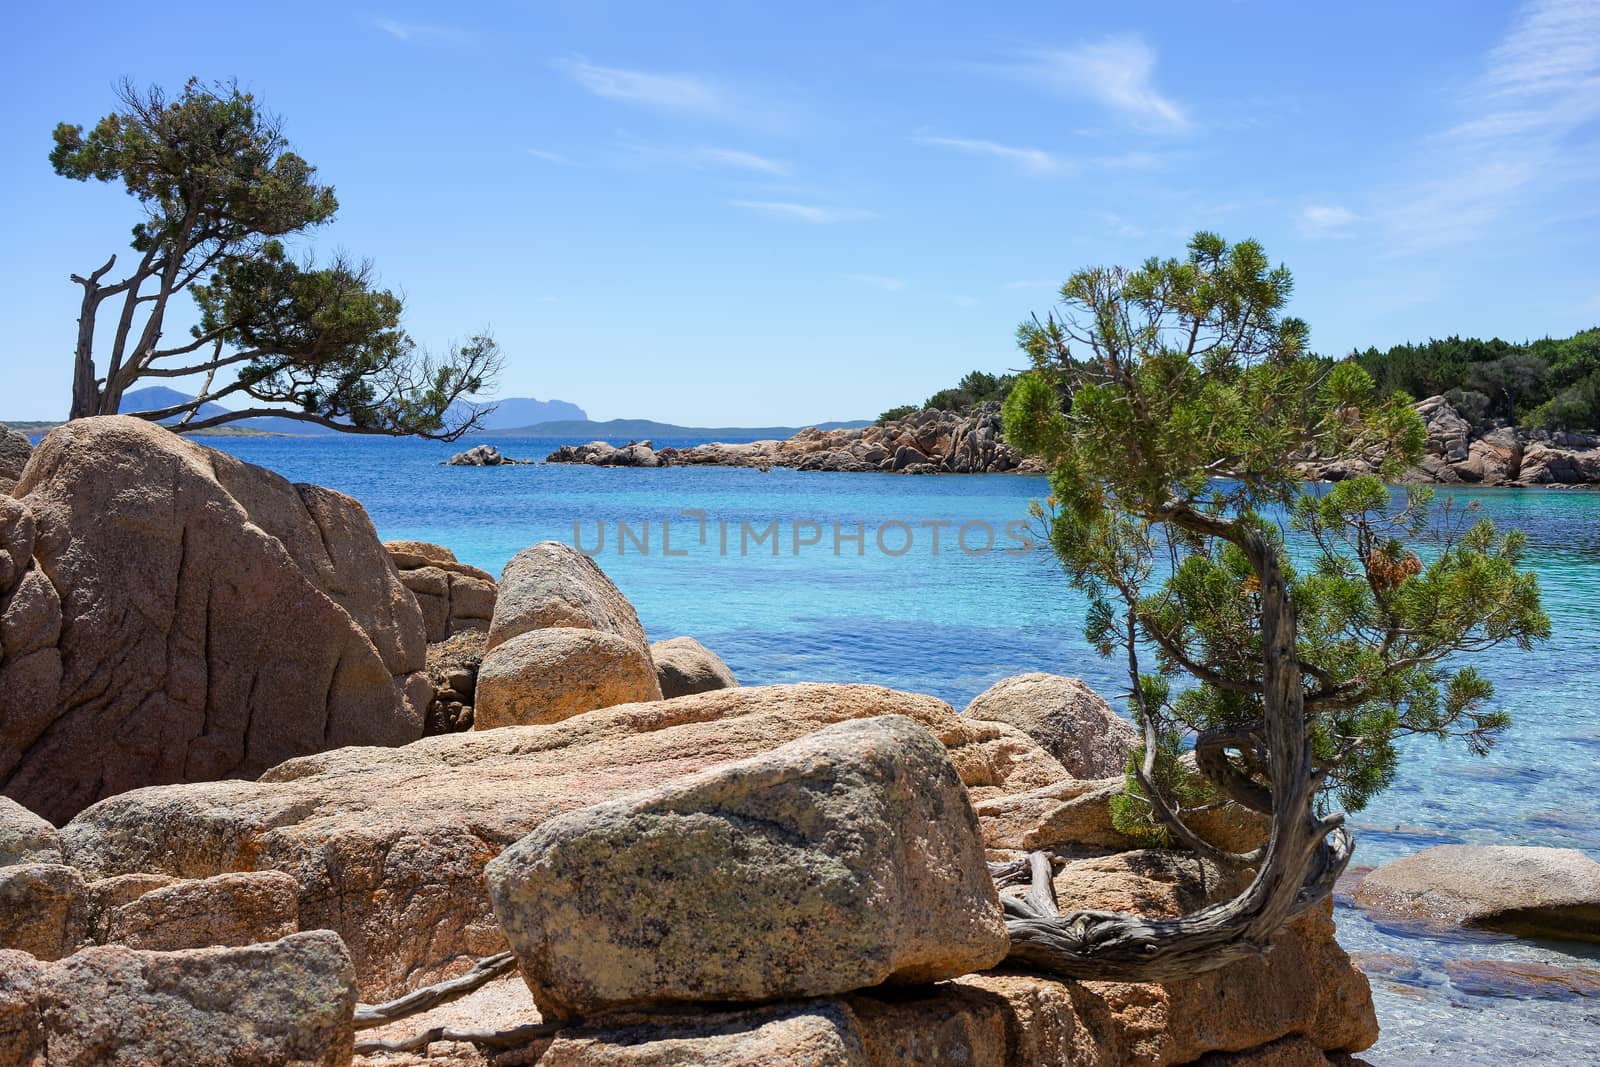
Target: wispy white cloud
x: 1032, y: 160
x: 741, y: 160
x: 880, y: 281
x: 1326, y: 220
x: 1117, y: 72
x: 550, y: 157
x: 703, y: 156
x: 685, y: 94
x: 812, y: 213
x: 1540, y: 87
x: 421, y: 31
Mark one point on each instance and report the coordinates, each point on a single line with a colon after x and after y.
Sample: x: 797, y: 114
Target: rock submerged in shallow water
x: 684, y: 666
x: 544, y: 676
x: 288, y: 1003
x: 1529, y: 892
x: 1071, y: 721
x: 843, y: 860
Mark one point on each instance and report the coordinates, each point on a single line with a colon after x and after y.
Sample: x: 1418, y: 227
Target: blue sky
x: 761, y: 213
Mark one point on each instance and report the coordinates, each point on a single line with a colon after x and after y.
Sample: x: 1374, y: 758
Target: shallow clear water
x: 953, y: 622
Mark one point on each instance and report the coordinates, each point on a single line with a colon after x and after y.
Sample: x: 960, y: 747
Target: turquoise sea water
x: 953, y: 622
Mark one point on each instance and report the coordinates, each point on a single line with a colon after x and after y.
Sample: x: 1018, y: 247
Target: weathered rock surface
x: 389, y: 845
x: 843, y: 860
x: 172, y: 614
x: 1303, y: 995
x: 230, y: 909
x: 43, y: 909
x: 1530, y: 892
x: 483, y: 456
x: 51, y: 911
x: 547, y: 675
x: 816, y: 1034
x: 24, y: 837
x: 283, y: 1004
x: 603, y: 454
x: 1071, y: 721
x: 684, y: 666
x: 452, y: 596
x: 1077, y: 814
x: 15, y: 448
x: 552, y: 584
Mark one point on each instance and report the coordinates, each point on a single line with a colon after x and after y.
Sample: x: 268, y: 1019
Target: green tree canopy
x: 1291, y: 674
x: 219, y: 190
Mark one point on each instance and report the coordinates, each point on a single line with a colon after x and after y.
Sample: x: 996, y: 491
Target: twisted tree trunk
x: 1302, y: 859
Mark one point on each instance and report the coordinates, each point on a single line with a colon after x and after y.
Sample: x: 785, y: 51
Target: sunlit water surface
x: 954, y: 622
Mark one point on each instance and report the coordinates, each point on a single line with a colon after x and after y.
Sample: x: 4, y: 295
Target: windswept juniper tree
x: 1175, y: 489
x: 220, y: 189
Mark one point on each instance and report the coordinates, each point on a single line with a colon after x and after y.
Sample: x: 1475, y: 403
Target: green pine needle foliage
x: 1172, y: 402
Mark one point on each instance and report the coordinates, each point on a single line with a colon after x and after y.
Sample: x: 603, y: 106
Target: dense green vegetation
x: 1290, y: 681
x: 976, y: 387
x: 1549, y: 384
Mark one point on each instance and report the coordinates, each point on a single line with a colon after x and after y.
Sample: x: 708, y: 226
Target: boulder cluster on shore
x: 924, y: 442
x: 1459, y: 452
x: 275, y: 793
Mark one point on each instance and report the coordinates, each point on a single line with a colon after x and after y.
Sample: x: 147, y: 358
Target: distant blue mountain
x: 513, y: 417
x: 517, y: 411
x: 636, y: 429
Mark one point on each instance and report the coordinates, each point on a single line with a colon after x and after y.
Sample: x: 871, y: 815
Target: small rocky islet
x: 264, y: 776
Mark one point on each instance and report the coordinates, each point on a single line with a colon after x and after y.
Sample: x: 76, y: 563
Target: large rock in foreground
x: 1530, y: 892
x: 684, y: 666
x: 284, y: 1004
x: 171, y: 614
x: 1071, y: 721
x: 1303, y: 1002
x: 843, y: 860
x: 389, y: 845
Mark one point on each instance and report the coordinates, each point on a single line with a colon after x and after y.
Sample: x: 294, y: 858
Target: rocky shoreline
x: 941, y: 442
x: 925, y: 442
x: 1487, y: 454
x: 273, y: 792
